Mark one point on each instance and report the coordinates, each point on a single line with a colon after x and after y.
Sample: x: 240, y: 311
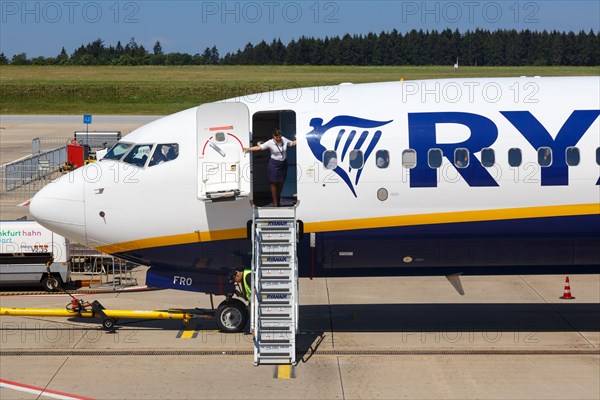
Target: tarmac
x: 17, y: 131
x: 360, y: 338
x: 507, y: 337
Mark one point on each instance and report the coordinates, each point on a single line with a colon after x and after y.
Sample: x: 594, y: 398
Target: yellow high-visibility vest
x: 246, y: 288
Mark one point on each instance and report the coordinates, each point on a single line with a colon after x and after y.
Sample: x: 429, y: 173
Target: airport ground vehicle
x: 84, y: 147
x: 77, y: 156
x: 32, y: 255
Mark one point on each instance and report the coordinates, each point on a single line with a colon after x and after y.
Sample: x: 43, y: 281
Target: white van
x: 25, y: 248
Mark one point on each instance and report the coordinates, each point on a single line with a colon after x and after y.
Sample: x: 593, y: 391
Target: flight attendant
x: 277, y: 163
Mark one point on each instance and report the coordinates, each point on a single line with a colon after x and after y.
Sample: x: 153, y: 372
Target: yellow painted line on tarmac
x: 26, y: 293
x: 284, y: 371
x: 193, y: 333
x: 188, y: 334
x: 15, y: 293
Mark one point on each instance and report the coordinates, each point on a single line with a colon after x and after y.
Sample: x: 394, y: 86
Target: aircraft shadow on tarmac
x: 317, y: 322
x: 505, y: 317
x: 479, y: 317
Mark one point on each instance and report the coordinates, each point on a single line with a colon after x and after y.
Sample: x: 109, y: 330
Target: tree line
x: 417, y: 47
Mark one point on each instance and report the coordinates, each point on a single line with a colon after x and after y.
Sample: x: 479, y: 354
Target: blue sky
x: 41, y: 28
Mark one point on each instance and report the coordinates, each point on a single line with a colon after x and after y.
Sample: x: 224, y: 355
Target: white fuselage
x: 124, y: 209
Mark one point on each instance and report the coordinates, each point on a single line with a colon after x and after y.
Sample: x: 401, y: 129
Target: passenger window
x: 488, y: 157
x: 573, y: 157
x: 514, y: 157
x: 409, y: 158
x: 382, y: 158
x: 598, y: 156
x: 138, y: 155
x: 117, y: 151
x: 461, y: 158
x: 545, y: 156
x: 164, y: 153
x: 330, y: 159
x: 434, y: 158
x: 357, y: 159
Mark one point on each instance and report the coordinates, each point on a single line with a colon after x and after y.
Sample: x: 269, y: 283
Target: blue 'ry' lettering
x: 484, y: 133
x: 422, y: 138
x: 570, y: 133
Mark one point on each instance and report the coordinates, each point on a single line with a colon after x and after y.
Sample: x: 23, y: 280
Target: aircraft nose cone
x: 60, y: 206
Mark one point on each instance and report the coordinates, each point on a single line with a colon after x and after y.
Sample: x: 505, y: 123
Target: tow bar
x: 81, y: 309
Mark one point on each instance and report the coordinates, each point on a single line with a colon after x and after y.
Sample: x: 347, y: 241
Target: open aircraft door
x: 223, y: 130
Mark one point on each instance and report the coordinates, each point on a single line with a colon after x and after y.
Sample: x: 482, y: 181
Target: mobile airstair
x: 274, y: 305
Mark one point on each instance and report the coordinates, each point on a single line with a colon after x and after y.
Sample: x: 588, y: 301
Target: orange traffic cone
x: 567, y: 294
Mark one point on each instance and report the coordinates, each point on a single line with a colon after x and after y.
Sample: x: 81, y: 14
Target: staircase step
x: 275, y: 349
x: 275, y: 284
x: 273, y: 299
x: 275, y: 270
x: 283, y: 338
x: 274, y: 360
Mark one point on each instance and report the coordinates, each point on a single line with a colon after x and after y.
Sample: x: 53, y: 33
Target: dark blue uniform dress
x: 277, y: 170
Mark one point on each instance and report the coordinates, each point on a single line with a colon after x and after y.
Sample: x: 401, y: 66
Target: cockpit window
x: 164, y: 153
x: 117, y: 151
x: 138, y: 155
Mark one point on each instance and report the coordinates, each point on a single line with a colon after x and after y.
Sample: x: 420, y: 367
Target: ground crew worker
x: 243, y: 277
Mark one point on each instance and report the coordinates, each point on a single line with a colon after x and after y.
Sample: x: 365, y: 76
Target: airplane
x: 447, y: 177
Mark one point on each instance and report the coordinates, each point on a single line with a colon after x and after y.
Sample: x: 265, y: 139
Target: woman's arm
x: 253, y: 148
x: 290, y: 142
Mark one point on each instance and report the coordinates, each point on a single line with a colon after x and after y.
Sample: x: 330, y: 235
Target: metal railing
x: 22, y: 179
x: 43, y: 144
x: 111, y: 271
